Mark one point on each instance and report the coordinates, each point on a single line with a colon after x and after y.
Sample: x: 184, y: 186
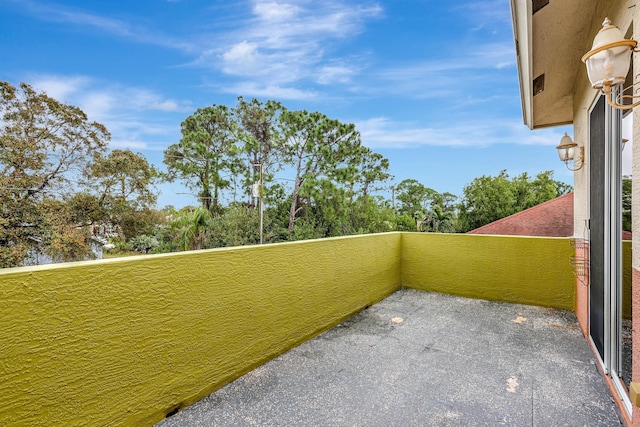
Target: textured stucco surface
x: 523, y: 270
x: 124, y: 342
x: 127, y: 341
x: 627, y: 280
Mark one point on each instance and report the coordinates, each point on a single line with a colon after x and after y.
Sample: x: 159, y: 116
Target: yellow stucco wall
x: 524, y: 270
x: 123, y: 342
x: 627, y: 278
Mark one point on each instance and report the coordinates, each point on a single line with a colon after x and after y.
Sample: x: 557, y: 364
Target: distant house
x: 553, y: 218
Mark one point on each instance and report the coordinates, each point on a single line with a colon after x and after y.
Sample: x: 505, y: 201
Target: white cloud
x: 132, y: 145
x: 381, y: 132
x: 336, y: 74
x: 482, y: 57
x: 242, y: 59
x: 131, y: 114
x: 280, y: 42
x: 59, y: 88
x: 241, y: 52
x: 251, y: 89
x: 287, y: 42
x: 484, y: 14
x: 50, y: 12
x: 453, y: 78
x: 271, y: 11
x: 99, y: 98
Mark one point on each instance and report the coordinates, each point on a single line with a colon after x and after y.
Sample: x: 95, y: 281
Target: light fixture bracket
x: 617, y: 101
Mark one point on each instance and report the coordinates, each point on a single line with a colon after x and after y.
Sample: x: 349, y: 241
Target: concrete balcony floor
x: 424, y: 359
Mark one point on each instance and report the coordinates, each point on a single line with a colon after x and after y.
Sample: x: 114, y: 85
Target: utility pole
x: 258, y: 192
x: 393, y: 198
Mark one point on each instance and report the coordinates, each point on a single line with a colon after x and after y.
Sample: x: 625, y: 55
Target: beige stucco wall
x: 636, y: 151
x: 621, y: 14
x: 635, y: 372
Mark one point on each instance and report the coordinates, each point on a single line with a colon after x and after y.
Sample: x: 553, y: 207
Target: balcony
x: 130, y: 341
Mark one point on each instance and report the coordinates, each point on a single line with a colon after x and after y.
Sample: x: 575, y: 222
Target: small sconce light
x: 567, y: 152
x: 608, y: 63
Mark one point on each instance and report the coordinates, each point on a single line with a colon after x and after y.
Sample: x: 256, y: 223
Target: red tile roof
x: 553, y: 218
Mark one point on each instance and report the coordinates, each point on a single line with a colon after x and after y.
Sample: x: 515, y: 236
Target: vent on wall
x: 538, y: 4
x: 538, y: 85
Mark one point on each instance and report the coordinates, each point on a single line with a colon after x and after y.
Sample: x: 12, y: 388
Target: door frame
x: 611, y: 363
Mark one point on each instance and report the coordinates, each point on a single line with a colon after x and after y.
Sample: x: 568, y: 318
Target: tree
x: 44, y: 146
x: 414, y: 197
x: 123, y: 181
x: 439, y: 220
x: 124, y: 175
x: 487, y: 199
x: 192, y: 228
x: 205, y: 153
x: 430, y: 210
x: 63, y: 240
x: 314, y: 146
x: 259, y: 133
x: 368, y: 168
x: 237, y: 226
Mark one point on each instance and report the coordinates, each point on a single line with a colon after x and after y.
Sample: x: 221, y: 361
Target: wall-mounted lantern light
x: 608, y: 63
x: 570, y: 151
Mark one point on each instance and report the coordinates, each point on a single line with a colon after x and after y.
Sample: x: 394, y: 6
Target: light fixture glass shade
x: 609, y: 58
x: 566, y: 149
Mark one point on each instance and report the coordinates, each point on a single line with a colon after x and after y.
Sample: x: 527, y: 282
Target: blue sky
x: 431, y: 85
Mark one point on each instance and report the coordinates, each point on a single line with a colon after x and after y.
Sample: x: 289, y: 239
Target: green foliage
x: 626, y: 203
x: 62, y: 240
x: 487, y: 199
x: 144, y: 243
x: 124, y: 175
x: 414, y: 197
x: 405, y: 222
x: 237, y: 226
x: 261, y: 140
x: 307, y: 228
x: 44, y: 145
x: 137, y: 222
x: 325, y: 155
x: 221, y: 154
x: 123, y: 247
x: 123, y: 183
x: 438, y: 220
x: 193, y: 229
x: 205, y: 154
x: 430, y: 210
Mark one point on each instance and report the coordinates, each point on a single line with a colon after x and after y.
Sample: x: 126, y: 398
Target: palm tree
x: 193, y: 227
x: 438, y: 220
